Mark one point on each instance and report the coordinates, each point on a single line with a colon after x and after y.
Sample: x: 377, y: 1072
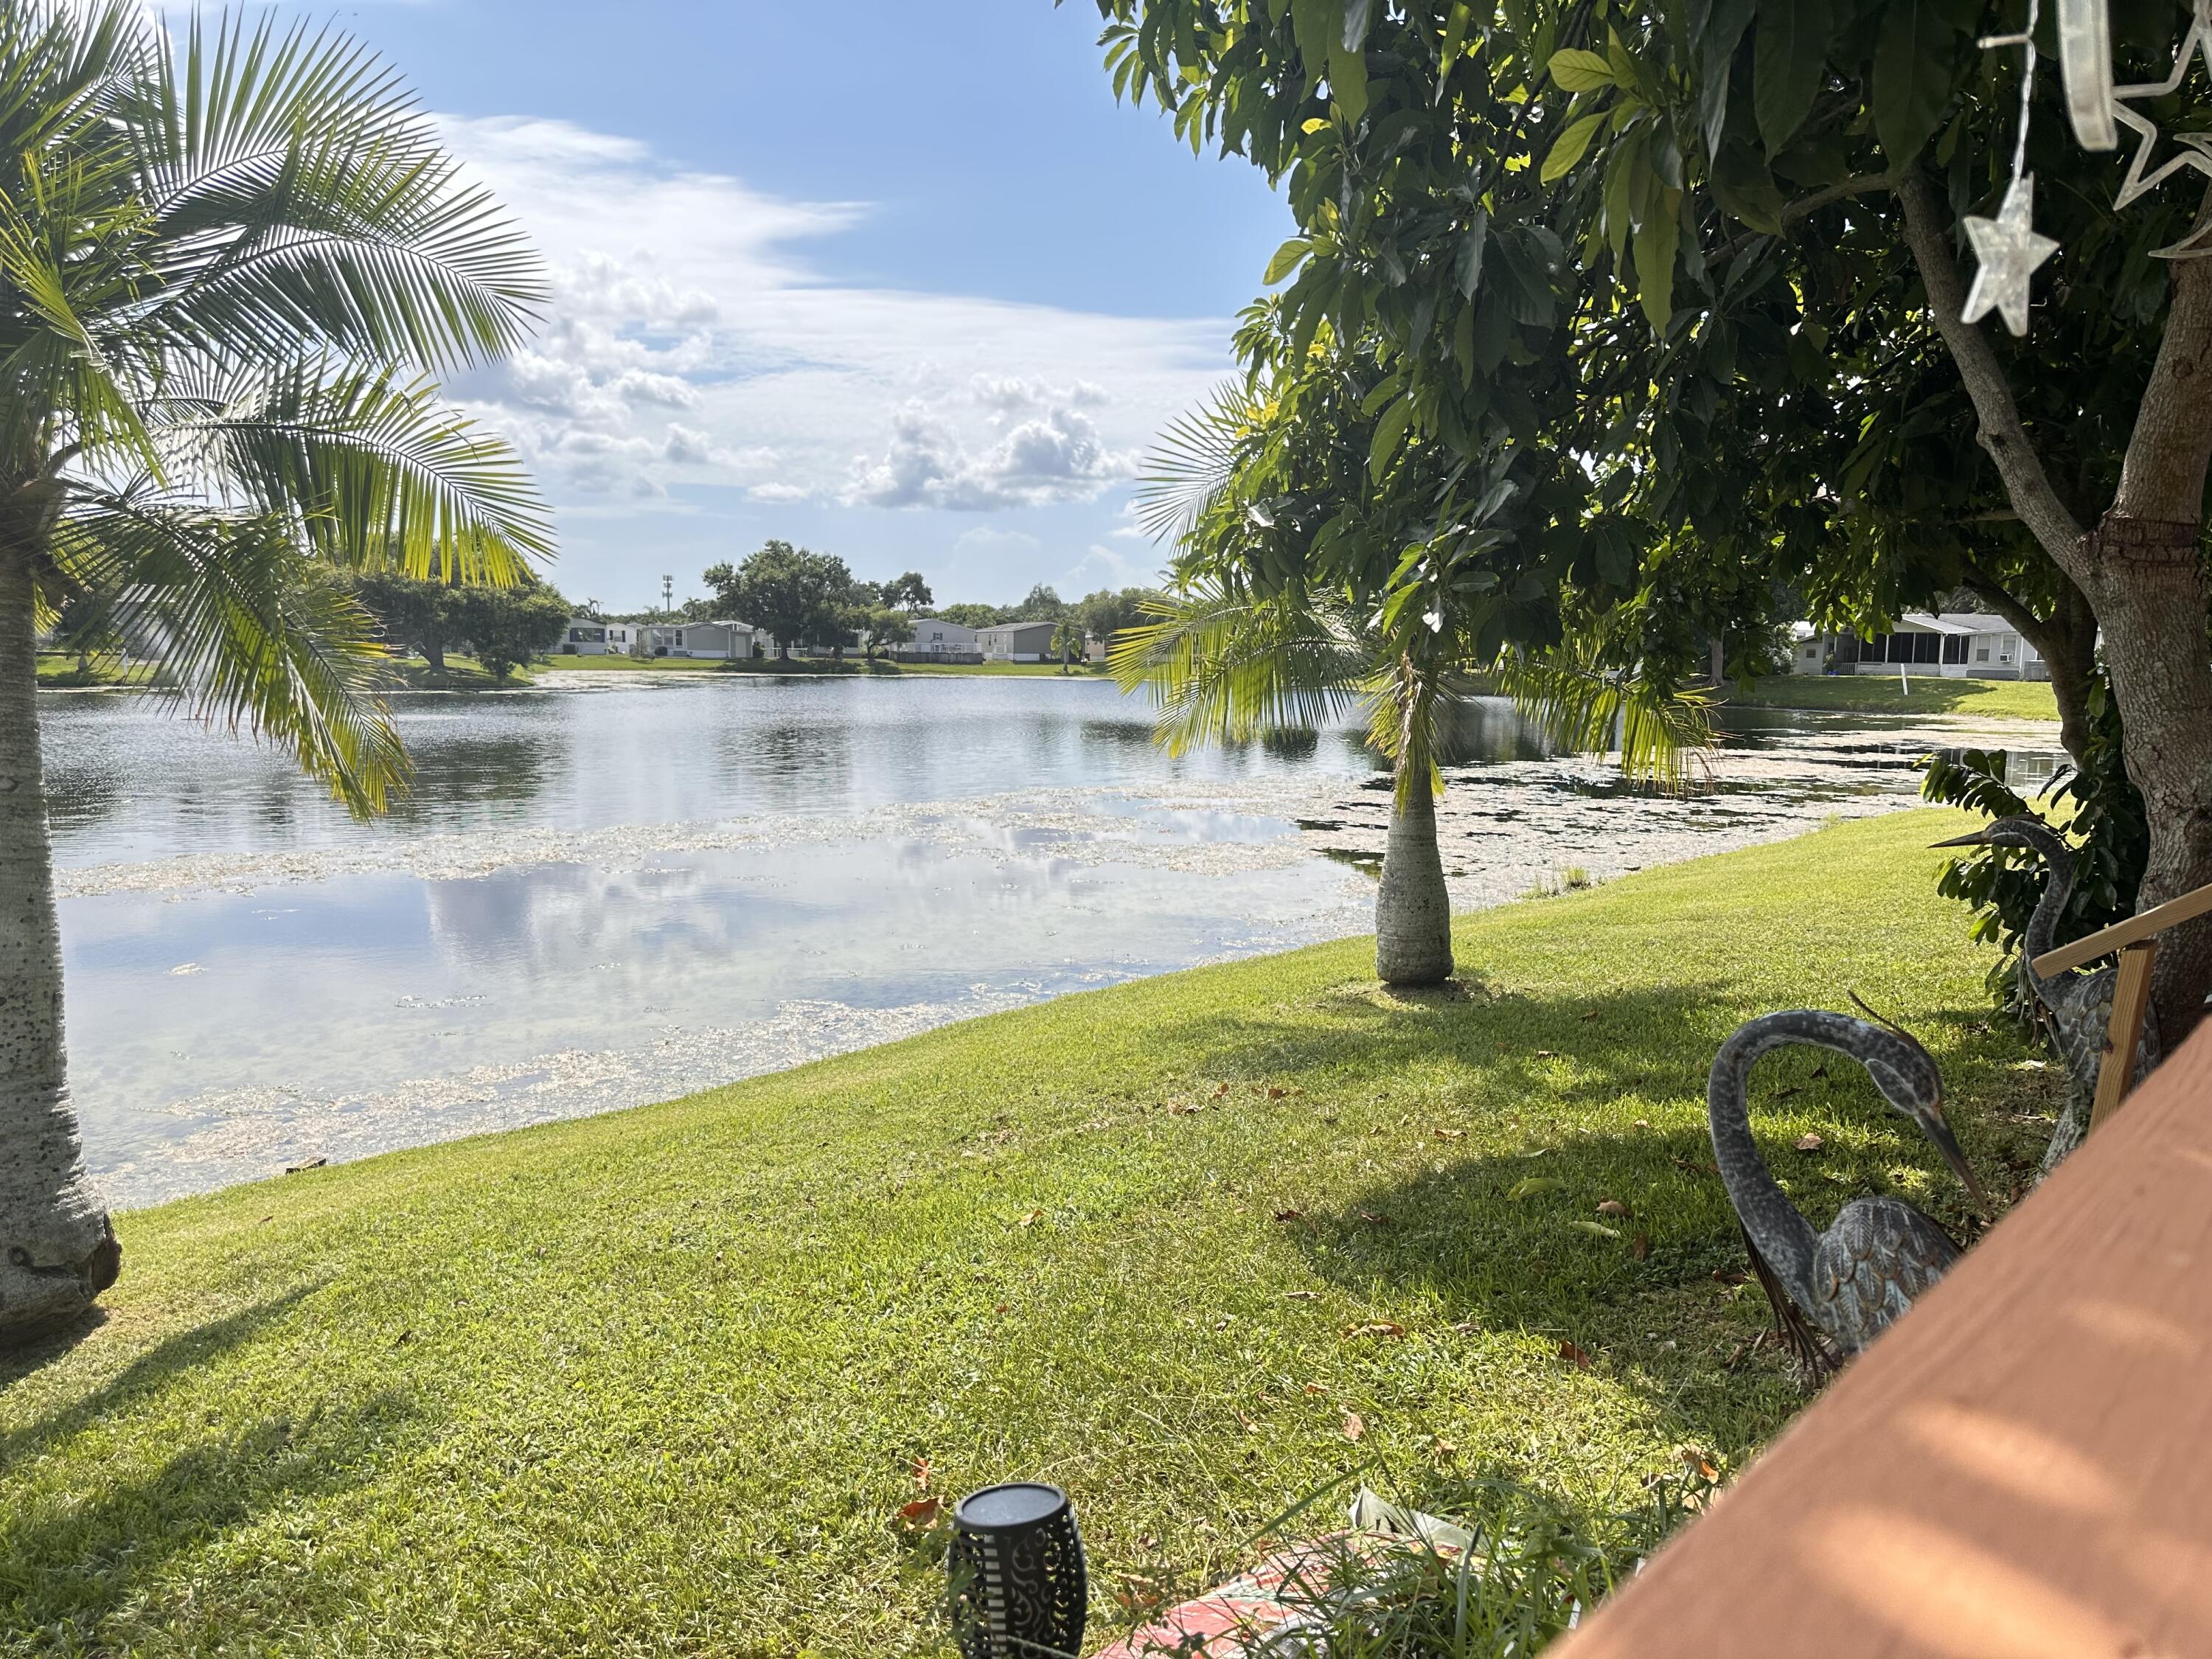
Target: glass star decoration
x: 2006, y: 250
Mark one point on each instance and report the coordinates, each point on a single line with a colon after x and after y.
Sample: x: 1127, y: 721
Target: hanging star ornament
x: 2197, y: 151
x: 2007, y: 250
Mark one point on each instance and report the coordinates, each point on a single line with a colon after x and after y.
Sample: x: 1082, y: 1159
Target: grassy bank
x: 459, y: 674
x: 1866, y: 694
x: 658, y: 1382
x: 57, y: 670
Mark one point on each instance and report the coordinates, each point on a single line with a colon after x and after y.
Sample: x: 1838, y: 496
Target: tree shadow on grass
x: 73, y: 1558
x: 174, y: 1356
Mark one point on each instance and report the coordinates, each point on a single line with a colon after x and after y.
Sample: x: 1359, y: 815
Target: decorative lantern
x: 1018, y: 1587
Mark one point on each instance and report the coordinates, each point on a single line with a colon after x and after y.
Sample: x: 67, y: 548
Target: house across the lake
x: 1956, y: 645
x: 726, y: 641
x: 1019, y: 641
x: 936, y: 640
x: 590, y: 636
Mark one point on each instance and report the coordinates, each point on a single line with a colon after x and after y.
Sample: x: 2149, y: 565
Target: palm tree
x: 1240, y: 649
x: 225, y: 269
x: 1067, y: 641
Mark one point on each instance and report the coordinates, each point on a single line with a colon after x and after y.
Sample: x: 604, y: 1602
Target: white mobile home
x: 726, y: 641
x: 1956, y: 645
x: 589, y: 636
x: 936, y: 640
x: 1020, y: 641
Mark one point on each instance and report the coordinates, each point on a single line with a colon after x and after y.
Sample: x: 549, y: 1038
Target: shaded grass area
x: 657, y: 1382
x: 61, y: 669
x: 1868, y: 694
x: 459, y: 674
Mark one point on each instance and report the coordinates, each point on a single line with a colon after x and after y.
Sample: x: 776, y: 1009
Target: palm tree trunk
x: 1412, y: 911
x: 58, y: 1249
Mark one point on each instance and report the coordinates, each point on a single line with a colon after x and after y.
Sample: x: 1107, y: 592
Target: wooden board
x: 2020, y: 1470
x: 2115, y: 1074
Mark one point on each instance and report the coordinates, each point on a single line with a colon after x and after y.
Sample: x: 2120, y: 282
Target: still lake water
x: 597, y: 897
x: 622, y: 889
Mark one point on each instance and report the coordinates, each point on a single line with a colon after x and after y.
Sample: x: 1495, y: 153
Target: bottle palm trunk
x: 57, y: 1248
x: 1412, y: 911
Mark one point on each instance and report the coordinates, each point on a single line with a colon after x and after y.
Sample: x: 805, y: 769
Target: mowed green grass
x: 656, y: 1382
x: 1869, y: 694
x: 807, y: 665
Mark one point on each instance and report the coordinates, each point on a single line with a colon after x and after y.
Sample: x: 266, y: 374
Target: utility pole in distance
x: 668, y: 596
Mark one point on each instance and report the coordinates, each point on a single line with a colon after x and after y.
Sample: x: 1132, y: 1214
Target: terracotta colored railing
x: 2020, y: 1470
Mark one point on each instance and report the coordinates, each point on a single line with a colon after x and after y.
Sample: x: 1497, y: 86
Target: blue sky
x: 895, y: 279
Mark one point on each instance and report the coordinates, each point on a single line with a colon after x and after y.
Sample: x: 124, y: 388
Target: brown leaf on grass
x: 1220, y: 1090
x: 1005, y: 1307
x: 1277, y: 1094
x: 1730, y: 1276
x: 1810, y: 1143
x: 1315, y: 1388
x: 1355, y: 1427
x: 921, y: 1513
x: 1301, y: 1295
x: 921, y: 1474
x: 1614, y: 1207
x: 1697, y: 1462
x: 1373, y: 1328
x: 1573, y: 1355
x: 1374, y: 1220
x: 1694, y: 1167
x: 1290, y: 1215
x: 1640, y: 1247
x: 1032, y: 1218
x: 1448, y: 1135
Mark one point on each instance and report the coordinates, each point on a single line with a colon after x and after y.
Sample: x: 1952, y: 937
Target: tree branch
x: 2002, y: 432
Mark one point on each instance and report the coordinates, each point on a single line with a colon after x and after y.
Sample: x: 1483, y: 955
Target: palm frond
x: 1224, y: 666
x: 1194, y: 461
x: 256, y: 634
x: 373, y: 468
x: 1662, y: 736
x: 302, y: 199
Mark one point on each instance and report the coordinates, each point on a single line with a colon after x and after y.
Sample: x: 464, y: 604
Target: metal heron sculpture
x: 1833, y: 1293
x: 2077, y: 1007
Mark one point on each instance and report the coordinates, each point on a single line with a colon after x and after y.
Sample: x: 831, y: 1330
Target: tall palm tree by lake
x: 226, y: 265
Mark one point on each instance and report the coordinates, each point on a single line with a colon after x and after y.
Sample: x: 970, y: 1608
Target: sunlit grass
x: 1877, y: 694
x: 658, y: 1382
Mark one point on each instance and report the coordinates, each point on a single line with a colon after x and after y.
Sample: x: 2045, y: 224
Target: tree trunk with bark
x: 2141, y: 569
x: 1413, y: 910
x: 2066, y: 641
x: 58, y: 1249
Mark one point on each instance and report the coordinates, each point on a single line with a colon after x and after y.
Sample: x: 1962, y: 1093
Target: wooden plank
x: 2120, y: 934
x: 2115, y: 1074
x: 2020, y: 1470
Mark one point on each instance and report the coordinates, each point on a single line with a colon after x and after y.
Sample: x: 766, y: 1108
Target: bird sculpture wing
x: 1878, y: 1259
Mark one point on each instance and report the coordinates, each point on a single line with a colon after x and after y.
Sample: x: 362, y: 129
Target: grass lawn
x: 1866, y: 693
x: 60, y: 670
x: 461, y: 674
x: 656, y: 1382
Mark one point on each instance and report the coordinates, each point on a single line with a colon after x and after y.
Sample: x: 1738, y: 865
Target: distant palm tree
x: 223, y: 273
x: 1229, y: 660
x: 1067, y: 641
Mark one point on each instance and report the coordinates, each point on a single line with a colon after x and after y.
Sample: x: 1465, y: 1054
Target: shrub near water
x: 1194, y: 1247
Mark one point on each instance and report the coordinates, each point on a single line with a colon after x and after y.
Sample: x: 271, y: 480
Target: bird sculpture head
x: 2021, y: 830
x: 1906, y: 1074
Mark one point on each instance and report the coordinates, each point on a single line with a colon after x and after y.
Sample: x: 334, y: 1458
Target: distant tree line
x: 503, y: 628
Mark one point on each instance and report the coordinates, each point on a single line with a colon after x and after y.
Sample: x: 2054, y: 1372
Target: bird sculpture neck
x: 1780, y: 1235
x: 2042, y: 934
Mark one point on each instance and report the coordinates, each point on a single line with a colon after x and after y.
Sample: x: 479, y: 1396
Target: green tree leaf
x: 1389, y: 432
x: 1912, y: 64
x: 1288, y: 258
x: 1657, y: 239
x: 1574, y: 143
x: 1576, y: 70
x: 1788, y: 56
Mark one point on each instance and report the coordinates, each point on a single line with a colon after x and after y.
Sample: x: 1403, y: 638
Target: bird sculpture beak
x: 1939, y: 1131
x: 1979, y: 838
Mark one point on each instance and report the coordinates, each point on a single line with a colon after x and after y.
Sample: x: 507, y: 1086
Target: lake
x: 616, y: 891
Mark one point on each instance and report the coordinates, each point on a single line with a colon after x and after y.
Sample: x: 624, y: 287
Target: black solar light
x: 1018, y: 1587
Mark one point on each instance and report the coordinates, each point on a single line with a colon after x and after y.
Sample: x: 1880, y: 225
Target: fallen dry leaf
x: 1448, y: 1135
x: 1373, y: 1219
x: 1315, y: 1388
x: 1810, y: 1143
x: 1730, y: 1276
x: 920, y: 1513
x: 921, y: 1474
x: 1301, y: 1295
x: 1640, y: 1247
x: 1006, y: 1307
x: 1692, y: 1166
x: 1032, y: 1218
x: 1373, y: 1328
x: 1277, y: 1094
x: 1354, y: 1428
x: 1614, y: 1207
x: 1569, y: 1351
x: 1220, y: 1092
